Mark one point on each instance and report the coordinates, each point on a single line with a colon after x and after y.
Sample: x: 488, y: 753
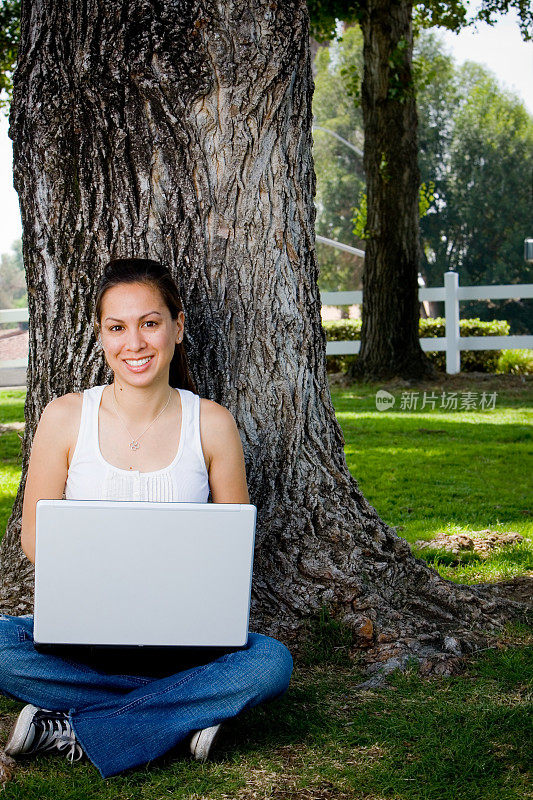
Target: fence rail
x: 452, y: 343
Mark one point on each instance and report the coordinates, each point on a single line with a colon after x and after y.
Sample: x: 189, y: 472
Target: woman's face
x: 138, y: 333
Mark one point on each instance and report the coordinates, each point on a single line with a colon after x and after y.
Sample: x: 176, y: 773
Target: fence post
x: 451, y: 313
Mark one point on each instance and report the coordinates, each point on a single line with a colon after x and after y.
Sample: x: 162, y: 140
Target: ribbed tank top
x: 91, y: 477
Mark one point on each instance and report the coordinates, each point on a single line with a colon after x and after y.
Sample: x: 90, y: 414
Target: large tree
x: 183, y: 132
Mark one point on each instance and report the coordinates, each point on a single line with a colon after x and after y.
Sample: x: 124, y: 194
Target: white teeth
x: 138, y: 362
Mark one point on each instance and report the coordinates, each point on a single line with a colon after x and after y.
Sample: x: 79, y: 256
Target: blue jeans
x: 123, y: 721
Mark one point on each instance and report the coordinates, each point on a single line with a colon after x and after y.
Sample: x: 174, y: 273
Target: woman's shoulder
x: 62, y: 418
x: 208, y: 408
x: 217, y: 424
x: 64, y: 403
x: 66, y: 408
x: 70, y: 400
x: 213, y: 411
x: 213, y: 416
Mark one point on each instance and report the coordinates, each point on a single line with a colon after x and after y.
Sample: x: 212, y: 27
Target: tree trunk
x: 389, y: 334
x: 182, y: 131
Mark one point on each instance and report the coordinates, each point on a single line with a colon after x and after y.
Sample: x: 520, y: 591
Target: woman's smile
x: 138, y: 364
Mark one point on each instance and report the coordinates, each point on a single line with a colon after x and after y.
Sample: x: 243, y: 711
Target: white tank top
x: 91, y: 477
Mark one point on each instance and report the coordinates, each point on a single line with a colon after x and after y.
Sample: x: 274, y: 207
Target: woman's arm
x: 48, y: 465
x: 222, y: 444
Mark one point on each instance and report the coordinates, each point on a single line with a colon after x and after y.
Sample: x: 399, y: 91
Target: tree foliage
x: 475, y: 153
x: 450, y: 14
x: 9, y: 38
x: 339, y: 169
x: 478, y: 148
x: 426, y: 197
x: 484, y: 211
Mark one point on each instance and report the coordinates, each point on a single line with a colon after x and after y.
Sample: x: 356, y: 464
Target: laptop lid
x: 131, y: 573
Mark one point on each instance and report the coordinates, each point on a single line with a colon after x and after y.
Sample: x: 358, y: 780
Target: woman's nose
x: 135, y: 339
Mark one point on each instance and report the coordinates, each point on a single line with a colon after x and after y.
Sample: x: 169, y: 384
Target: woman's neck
x: 139, y: 404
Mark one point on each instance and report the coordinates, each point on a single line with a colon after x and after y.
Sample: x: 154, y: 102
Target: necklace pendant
x: 134, y: 444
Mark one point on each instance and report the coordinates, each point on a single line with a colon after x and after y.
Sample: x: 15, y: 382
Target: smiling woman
x: 146, y: 436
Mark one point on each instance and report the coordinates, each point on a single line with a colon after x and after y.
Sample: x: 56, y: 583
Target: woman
x: 145, y: 436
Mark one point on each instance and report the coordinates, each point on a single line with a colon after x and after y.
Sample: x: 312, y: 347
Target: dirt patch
x: 262, y: 784
x: 481, y: 542
x: 464, y: 381
x: 284, y: 783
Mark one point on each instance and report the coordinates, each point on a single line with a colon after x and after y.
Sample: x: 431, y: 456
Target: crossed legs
x: 123, y: 721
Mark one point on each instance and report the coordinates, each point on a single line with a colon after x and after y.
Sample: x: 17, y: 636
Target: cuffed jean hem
x: 151, y: 720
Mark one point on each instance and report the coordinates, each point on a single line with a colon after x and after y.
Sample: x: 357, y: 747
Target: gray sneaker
x: 38, y: 730
x: 202, y: 741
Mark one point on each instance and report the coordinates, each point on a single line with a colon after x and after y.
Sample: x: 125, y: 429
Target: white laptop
x: 136, y: 575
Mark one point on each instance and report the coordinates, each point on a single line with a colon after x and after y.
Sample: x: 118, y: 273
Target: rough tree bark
x: 182, y: 131
x: 389, y: 334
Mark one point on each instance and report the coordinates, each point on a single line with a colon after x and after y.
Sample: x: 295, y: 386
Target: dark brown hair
x: 156, y: 275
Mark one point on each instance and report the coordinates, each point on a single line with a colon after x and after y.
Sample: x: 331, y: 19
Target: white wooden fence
x: 451, y: 293
x: 452, y: 343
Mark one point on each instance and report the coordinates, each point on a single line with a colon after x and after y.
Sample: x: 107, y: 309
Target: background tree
x: 12, y: 278
x: 484, y: 209
x: 474, y: 148
x: 389, y: 334
x: 183, y: 132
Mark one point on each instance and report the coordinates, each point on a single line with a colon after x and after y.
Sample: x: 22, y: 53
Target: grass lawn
x: 462, y: 738
x: 430, y: 470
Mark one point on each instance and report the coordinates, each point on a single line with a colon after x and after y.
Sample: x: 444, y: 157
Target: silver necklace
x: 134, y: 444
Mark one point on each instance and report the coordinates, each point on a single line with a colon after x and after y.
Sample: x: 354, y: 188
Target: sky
x: 499, y: 47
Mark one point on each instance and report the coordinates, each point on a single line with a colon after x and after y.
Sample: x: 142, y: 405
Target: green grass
x: 462, y: 738
x: 11, y: 410
x: 456, y: 471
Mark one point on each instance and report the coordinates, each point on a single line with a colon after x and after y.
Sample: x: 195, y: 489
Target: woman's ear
x: 180, y: 332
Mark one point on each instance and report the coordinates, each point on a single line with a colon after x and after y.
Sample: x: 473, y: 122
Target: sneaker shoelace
x: 55, y: 733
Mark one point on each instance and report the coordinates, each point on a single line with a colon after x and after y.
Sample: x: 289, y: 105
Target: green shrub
x: 516, y: 362
x: 471, y: 360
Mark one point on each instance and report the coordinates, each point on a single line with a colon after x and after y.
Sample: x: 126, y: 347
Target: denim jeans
x: 124, y: 721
